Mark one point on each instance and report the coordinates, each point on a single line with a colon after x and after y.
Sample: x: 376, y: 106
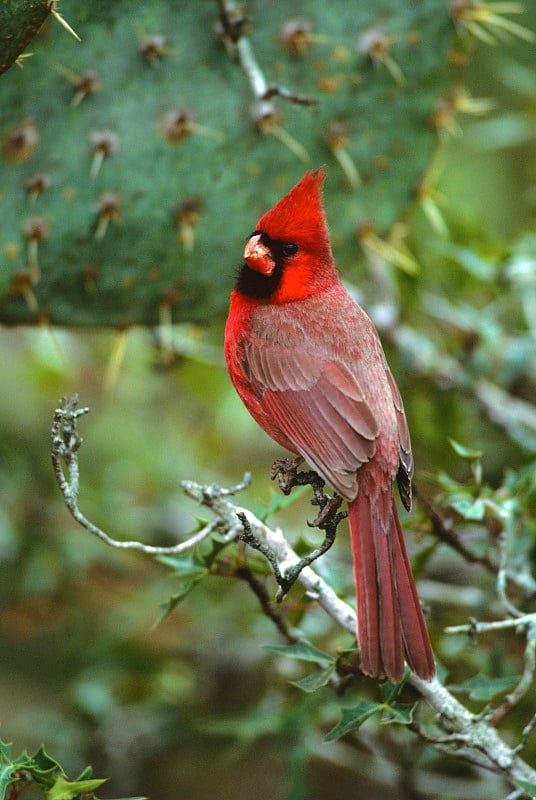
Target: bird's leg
x: 327, y: 520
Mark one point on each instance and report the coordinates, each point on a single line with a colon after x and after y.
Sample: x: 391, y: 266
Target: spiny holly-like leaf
x: 401, y: 714
x: 64, y: 789
x: 45, y: 773
x: 353, y: 718
x: 390, y: 691
x: 315, y: 680
x: 6, y: 779
x: 483, y: 687
x: 41, y: 763
x: 186, y: 566
x: 303, y: 651
x: 5, y: 751
x: 469, y: 507
x: 169, y: 605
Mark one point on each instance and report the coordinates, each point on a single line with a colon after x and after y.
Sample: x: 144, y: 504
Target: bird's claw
x: 325, y: 516
x: 286, y: 471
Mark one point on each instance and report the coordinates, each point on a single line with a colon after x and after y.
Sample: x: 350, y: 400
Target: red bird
x: 309, y: 366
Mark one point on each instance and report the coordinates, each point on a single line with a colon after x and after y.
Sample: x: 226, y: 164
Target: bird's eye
x: 290, y: 249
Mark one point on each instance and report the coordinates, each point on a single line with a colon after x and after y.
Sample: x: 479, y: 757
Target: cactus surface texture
x: 134, y: 163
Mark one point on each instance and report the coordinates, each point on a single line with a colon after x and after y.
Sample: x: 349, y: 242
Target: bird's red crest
x: 299, y: 217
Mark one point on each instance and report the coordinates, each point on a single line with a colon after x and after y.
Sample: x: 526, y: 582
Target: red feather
x: 308, y: 364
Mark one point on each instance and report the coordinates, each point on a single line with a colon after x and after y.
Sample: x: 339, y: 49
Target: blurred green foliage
x: 196, y: 706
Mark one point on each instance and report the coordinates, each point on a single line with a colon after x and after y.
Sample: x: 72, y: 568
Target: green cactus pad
x: 20, y: 21
x: 131, y: 168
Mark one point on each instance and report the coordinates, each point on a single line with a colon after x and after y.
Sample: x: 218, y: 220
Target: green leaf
x: 303, y: 651
x: 401, y: 714
x: 528, y: 787
x: 469, y: 508
x: 5, y: 751
x: 6, y: 779
x: 353, y: 717
x: 390, y: 691
x: 316, y: 680
x: 185, y: 566
x: 169, y: 605
x: 41, y: 765
x: 465, y: 452
x: 67, y: 790
x: 279, y: 501
x: 482, y: 687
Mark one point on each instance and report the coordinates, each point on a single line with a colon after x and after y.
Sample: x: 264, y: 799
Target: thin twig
x: 527, y: 730
x: 233, y: 25
x: 503, y: 575
x: 292, y: 97
x: 65, y: 444
x: 444, y: 531
x: 475, y: 627
x: 525, y: 683
x: 259, y: 589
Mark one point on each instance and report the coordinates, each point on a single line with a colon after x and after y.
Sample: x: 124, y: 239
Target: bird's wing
x: 319, y: 406
x: 405, y: 472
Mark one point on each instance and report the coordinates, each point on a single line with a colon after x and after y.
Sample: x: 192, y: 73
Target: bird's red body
x: 308, y: 364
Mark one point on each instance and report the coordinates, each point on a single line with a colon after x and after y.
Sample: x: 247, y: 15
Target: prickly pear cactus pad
x: 20, y: 21
x: 134, y: 163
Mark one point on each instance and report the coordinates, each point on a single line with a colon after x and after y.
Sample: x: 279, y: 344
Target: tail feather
x: 390, y: 625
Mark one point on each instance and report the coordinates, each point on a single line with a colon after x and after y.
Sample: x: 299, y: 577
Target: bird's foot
x: 327, y: 519
x: 327, y: 516
x: 286, y: 472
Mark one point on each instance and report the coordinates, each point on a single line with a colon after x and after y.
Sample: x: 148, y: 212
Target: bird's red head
x: 299, y: 217
x: 288, y: 256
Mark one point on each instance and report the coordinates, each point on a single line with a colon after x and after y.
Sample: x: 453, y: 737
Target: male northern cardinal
x: 309, y: 366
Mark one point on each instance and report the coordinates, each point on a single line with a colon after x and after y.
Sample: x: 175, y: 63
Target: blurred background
x: 195, y: 706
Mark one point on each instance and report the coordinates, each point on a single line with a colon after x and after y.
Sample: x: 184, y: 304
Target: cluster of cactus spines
x: 133, y: 164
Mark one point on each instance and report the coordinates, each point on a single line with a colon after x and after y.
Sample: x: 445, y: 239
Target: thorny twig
x: 466, y: 734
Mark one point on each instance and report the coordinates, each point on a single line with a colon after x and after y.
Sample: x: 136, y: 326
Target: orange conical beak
x: 258, y: 256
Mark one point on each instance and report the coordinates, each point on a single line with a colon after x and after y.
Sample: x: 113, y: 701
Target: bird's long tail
x: 390, y: 625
